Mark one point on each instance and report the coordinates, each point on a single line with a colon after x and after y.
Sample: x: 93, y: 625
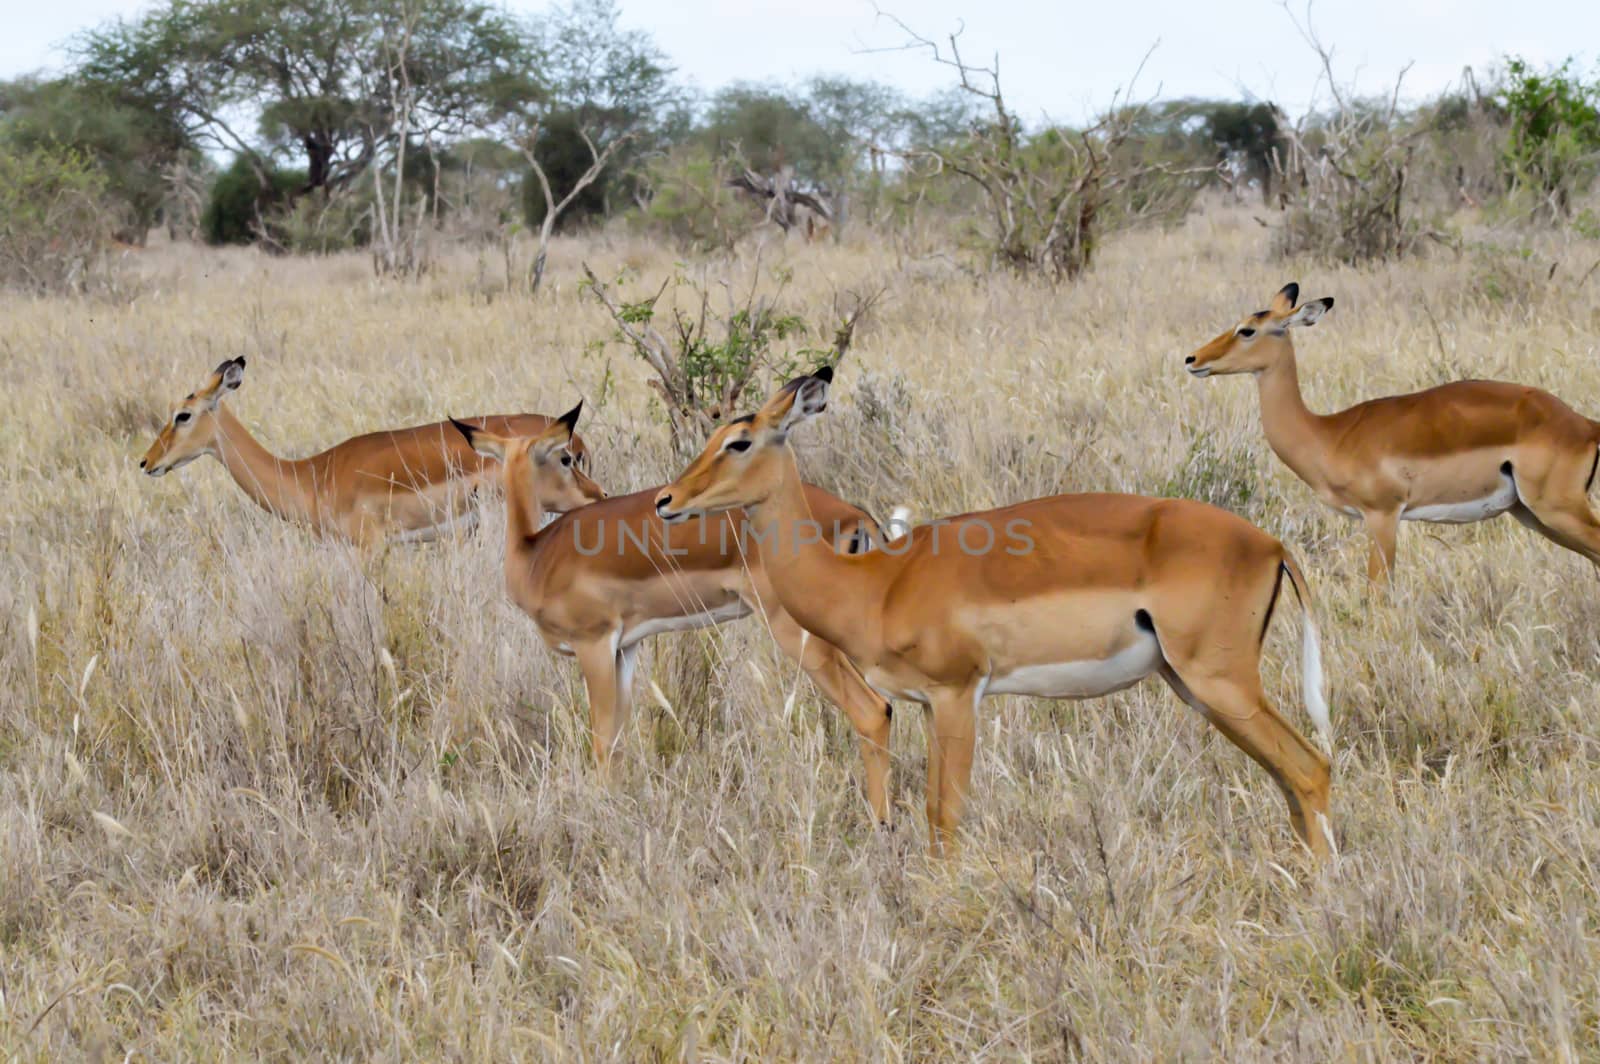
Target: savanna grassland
x: 260, y: 795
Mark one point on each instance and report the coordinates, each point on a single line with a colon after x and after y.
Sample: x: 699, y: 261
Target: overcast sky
x: 1060, y: 59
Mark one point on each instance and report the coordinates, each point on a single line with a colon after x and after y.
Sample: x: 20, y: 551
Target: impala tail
x: 899, y: 523
x: 871, y: 535
x: 1312, y: 681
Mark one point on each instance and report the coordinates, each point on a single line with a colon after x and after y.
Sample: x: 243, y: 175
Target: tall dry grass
x: 260, y: 797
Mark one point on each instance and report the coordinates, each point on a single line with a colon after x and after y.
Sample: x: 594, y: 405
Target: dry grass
x: 255, y: 800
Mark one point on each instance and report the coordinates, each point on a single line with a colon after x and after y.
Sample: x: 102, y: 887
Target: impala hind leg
x: 840, y: 681
x: 607, y: 675
x: 1573, y: 526
x: 1238, y: 708
x: 952, y: 734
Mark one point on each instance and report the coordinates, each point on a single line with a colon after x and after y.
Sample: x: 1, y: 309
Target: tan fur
x: 413, y: 481
x: 1430, y: 452
x: 925, y: 620
x: 602, y: 578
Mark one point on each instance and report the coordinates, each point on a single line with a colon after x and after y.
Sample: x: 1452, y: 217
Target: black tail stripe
x: 1272, y: 604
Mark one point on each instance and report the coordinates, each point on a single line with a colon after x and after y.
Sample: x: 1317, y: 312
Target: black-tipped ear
x: 570, y: 418
x: 825, y: 374
x: 232, y: 373
x: 485, y: 443
x: 1284, y: 303
x: 1310, y: 312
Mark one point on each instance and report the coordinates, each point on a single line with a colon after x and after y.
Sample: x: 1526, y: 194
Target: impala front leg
x: 842, y: 683
x: 953, y: 729
x: 604, y: 676
x: 1383, y: 527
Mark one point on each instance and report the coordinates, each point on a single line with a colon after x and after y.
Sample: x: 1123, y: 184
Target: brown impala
x: 1068, y: 597
x: 604, y: 578
x: 412, y: 484
x: 1458, y: 453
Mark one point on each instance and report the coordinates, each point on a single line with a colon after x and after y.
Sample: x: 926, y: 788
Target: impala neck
x: 524, y: 511
x: 1292, y: 430
x: 281, y: 487
x: 830, y: 594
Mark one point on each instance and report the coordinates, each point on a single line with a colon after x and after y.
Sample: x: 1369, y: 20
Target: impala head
x: 743, y: 463
x: 192, y: 429
x: 548, y: 464
x: 1261, y: 338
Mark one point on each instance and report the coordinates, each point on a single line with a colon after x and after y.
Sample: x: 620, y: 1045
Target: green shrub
x: 1554, y: 147
x: 686, y: 197
x: 239, y: 204
x: 55, y: 218
x: 319, y: 225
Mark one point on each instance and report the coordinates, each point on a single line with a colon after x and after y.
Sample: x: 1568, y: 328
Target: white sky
x: 1059, y: 58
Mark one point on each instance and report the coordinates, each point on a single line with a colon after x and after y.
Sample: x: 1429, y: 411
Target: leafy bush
x: 1554, y: 146
x: 685, y: 195
x: 239, y: 204
x: 1352, y: 199
x: 706, y: 361
x: 1461, y: 156
x: 55, y: 218
x: 134, y: 148
x: 319, y: 225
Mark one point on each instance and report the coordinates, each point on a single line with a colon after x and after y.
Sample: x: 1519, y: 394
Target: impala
x: 600, y: 580
x: 411, y: 484
x: 1461, y: 452
x: 1067, y: 597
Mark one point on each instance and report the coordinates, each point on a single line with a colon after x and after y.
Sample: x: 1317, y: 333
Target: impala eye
x: 1247, y: 333
x: 566, y: 460
x: 736, y: 445
x: 181, y: 416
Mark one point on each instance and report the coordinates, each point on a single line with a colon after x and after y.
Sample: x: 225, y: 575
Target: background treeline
x: 395, y: 125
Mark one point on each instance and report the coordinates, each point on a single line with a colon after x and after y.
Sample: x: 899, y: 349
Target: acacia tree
x: 608, y: 96
x: 315, y: 77
x: 1248, y: 139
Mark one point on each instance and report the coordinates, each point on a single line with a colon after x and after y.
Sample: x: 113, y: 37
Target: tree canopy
x: 330, y: 80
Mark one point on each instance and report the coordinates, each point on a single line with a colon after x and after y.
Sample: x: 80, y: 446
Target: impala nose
x: 1189, y: 361
x: 141, y: 463
x: 663, y: 503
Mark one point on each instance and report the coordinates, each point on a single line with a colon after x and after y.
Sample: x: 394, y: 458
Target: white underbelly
x: 1082, y: 679
x: 1462, y: 513
x: 684, y: 622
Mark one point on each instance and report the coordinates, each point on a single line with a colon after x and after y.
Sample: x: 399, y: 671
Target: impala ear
x: 485, y: 443
x: 1309, y: 313
x: 225, y: 378
x: 570, y: 418
x: 1285, y: 300
x: 800, y: 400
x: 558, y: 437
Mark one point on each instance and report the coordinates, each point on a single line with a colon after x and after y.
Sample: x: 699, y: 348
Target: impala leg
x: 954, y: 720
x: 1383, y: 528
x: 932, y: 795
x: 361, y: 530
x: 1573, y: 527
x: 601, y: 665
x: 1237, y: 707
x: 839, y: 680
